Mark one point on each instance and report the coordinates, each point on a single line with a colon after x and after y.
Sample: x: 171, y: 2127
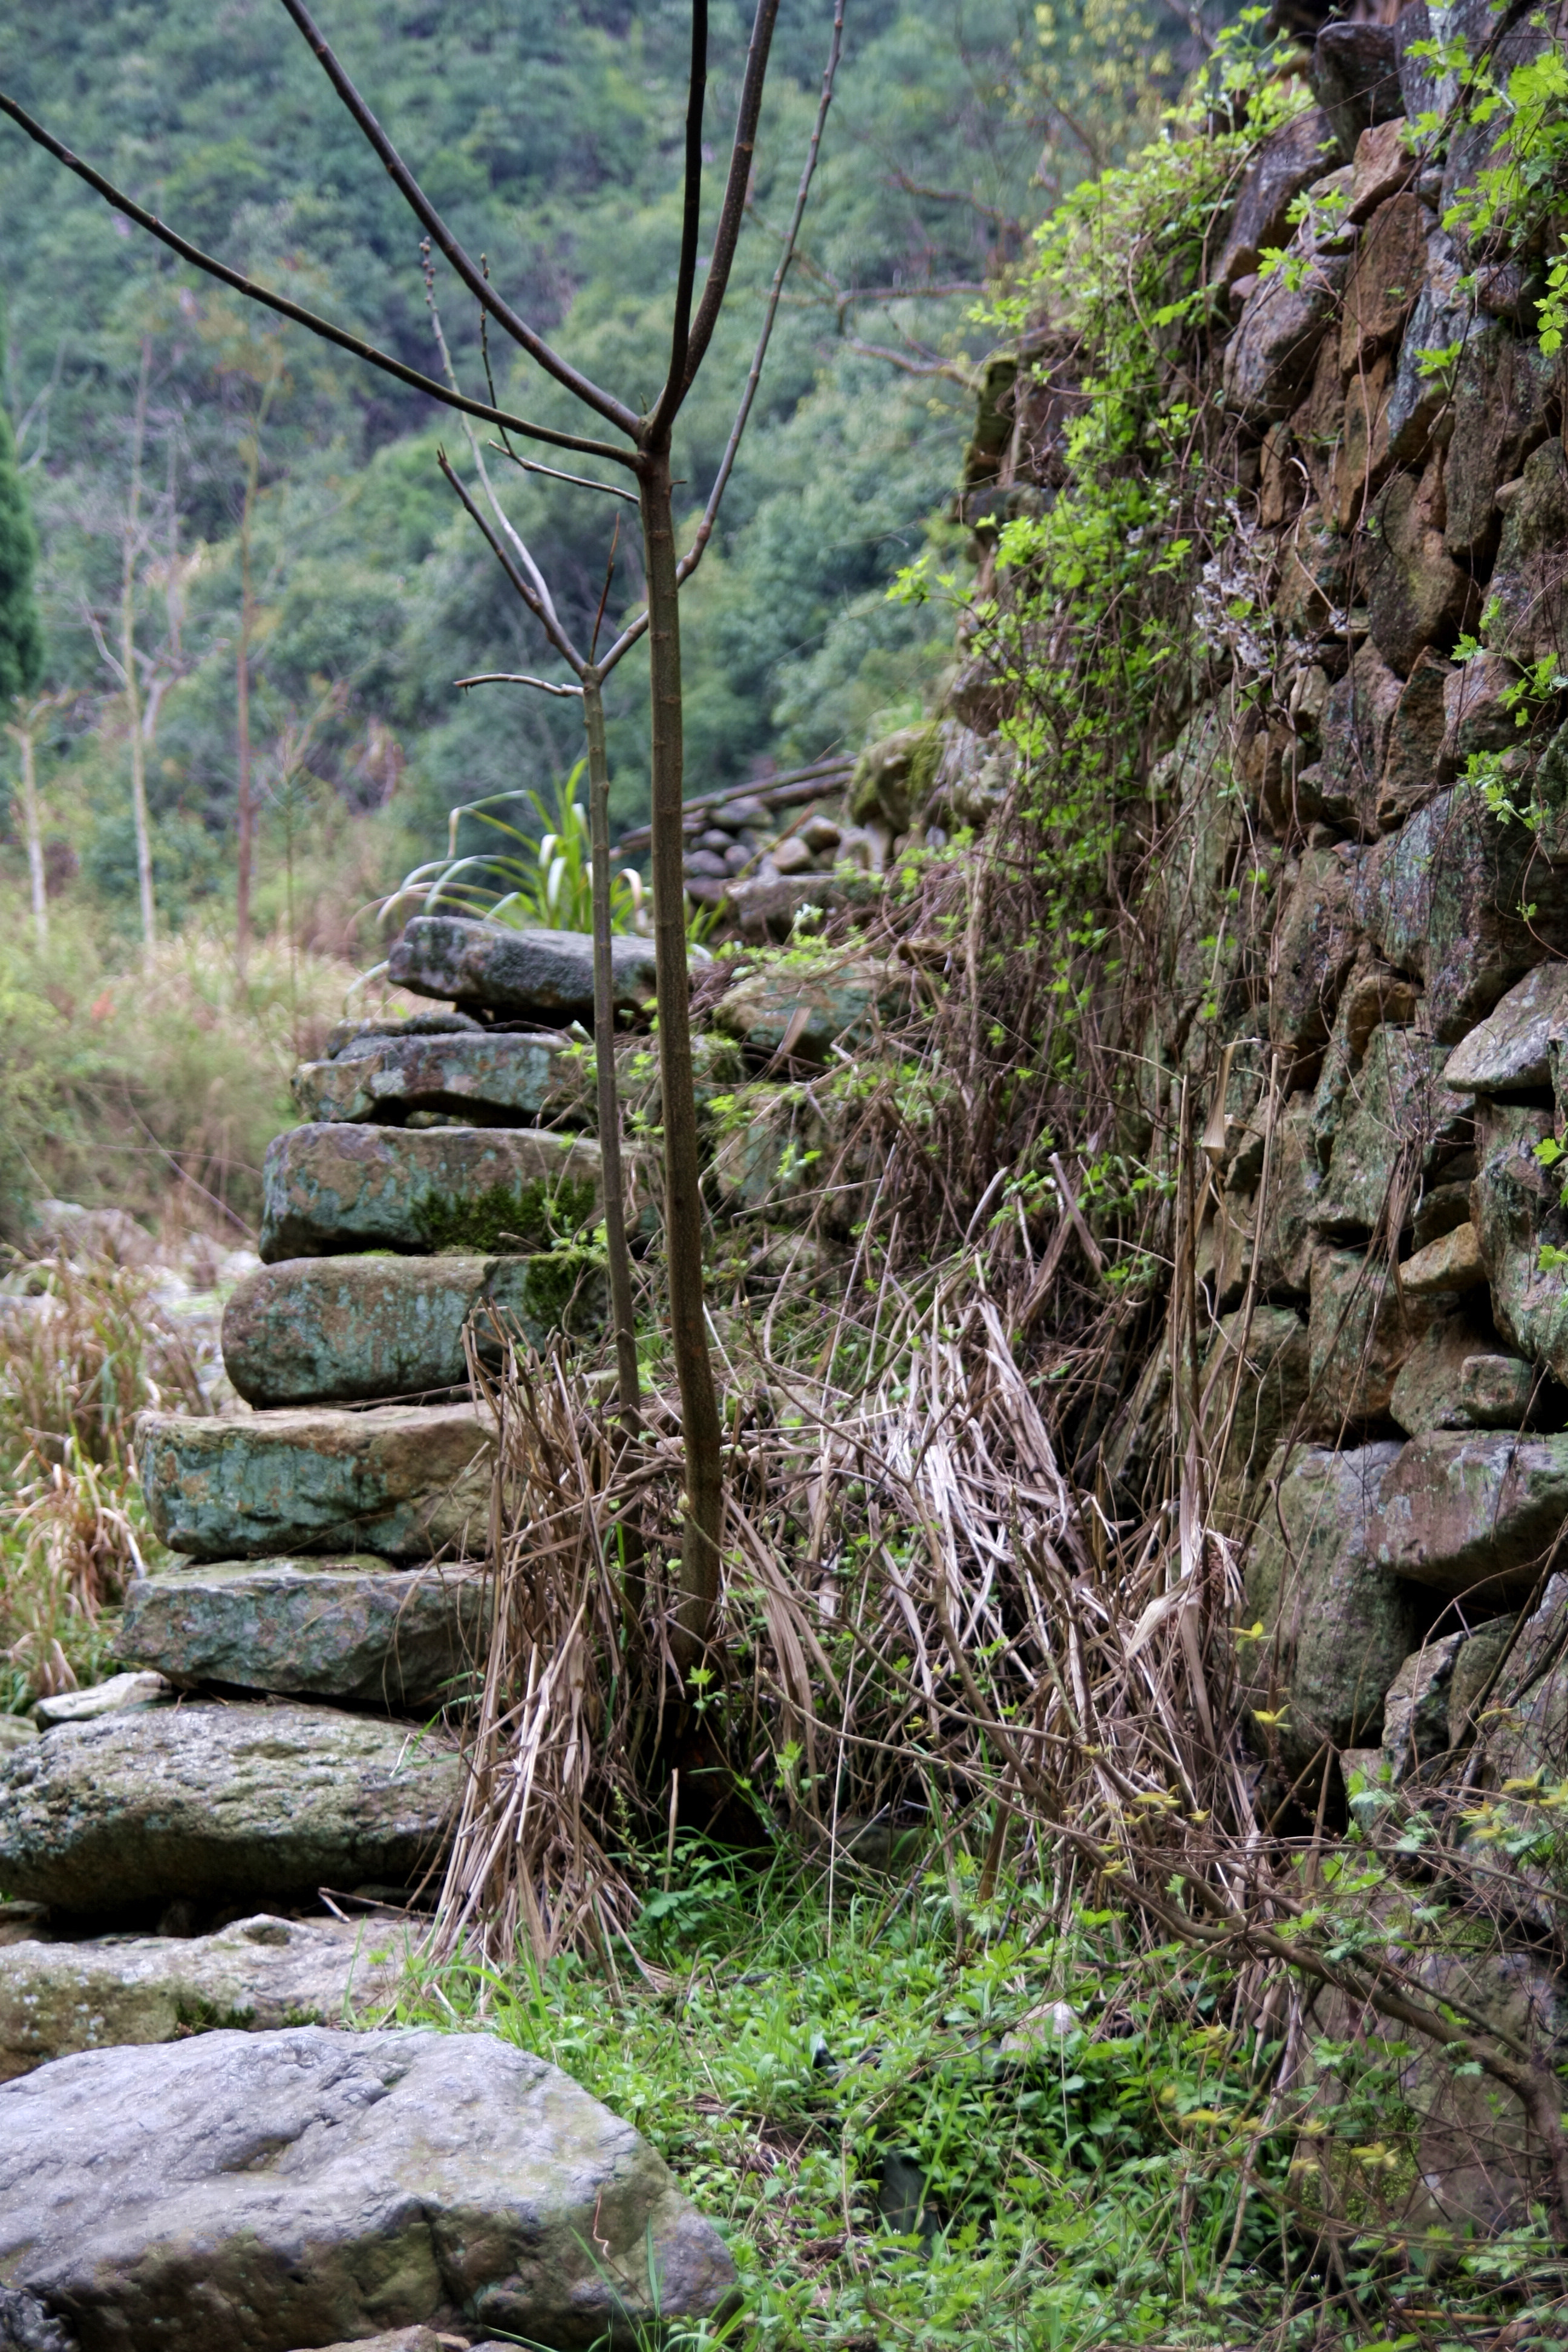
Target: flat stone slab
x: 355, y: 1630
x: 1471, y: 1512
x: 277, y: 2189
x: 1507, y: 1050
x: 109, y: 1697
x: 402, y: 1480
x: 205, y: 1801
x: 544, y: 976
x: 507, y: 1079
x: 255, y: 1976
x: 335, y: 1186
x: 310, y: 1330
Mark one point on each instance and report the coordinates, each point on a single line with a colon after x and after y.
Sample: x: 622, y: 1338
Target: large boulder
x: 1335, y: 1628
x: 331, y: 1187
x: 200, y: 1801
x: 299, y: 2187
x: 1472, y: 1513
x: 354, y: 1629
x: 355, y: 1329
x: 404, y: 1480
x: 254, y: 1976
x: 542, y: 976
x: 486, y: 1076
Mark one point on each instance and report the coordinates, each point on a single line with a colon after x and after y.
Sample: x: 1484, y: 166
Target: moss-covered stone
x: 329, y: 1187
x: 484, y: 1077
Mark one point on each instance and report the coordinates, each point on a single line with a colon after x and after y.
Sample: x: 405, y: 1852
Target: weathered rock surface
x: 1289, y: 160
x: 289, y: 2188
x: 1507, y: 1050
x: 354, y: 1329
x: 1417, y: 595
x: 402, y: 1480
x: 1527, y: 600
x: 1518, y: 1212
x: 356, y: 1630
x: 341, y: 1187
x: 1416, y: 1712
x: 1441, y: 317
x: 1361, y: 1334
x: 479, y: 1075
x: 543, y: 976
x: 203, y: 1801
x: 1471, y: 1513
x: 1451, y: 1263
x: 255, y: 1976
x: 1270, y: 358
x: 1355, y: 80
x: 1336, y: 1627
x: 801, y: 1015
x: 1437, y: 1388
x: 1384, y: 280
x: 1315, y: 948
x: 1395, y: 1118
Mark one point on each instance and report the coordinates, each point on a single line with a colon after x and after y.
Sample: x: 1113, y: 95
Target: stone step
x: 357, y: 1629
x: 509, y: 1079
x: 202, y: 1802
x: 402, y: 1480
x: 543, y: 976
x: 314, y: 1328
x: 252, y: 1977
x: 334, y: 1186
x: 267, y: 2191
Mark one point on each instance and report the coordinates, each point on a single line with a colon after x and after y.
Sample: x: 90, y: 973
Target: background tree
x: 21, y: 648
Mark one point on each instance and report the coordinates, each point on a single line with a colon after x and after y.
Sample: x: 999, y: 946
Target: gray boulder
x: 1471, y: 1512
x: 1269, y: 359
x: 488, y: 1078
x: 543, y: 976
x: 406, y: 1480
x: 355, y: 1630
x: 1335, y: 1628
x: 353, y: 1328
x: 1509, y: 1048
x: 337, y: 1186
x: 212, y: 1801
x: 255, y: 1976
x: 279, y: 2190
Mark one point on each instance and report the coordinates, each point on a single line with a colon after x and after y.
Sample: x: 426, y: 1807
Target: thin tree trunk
x: 702, y: 1532
x: 630, y: 1391
x: 23, y: 735
x: 127, y: 666
x: 244, y: 813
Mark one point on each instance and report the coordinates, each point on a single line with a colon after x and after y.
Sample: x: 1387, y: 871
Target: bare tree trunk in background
x: 244, y: 810
x: 702, y: 1531
x: 629, y: 1388
x: 128, y: 665
x: 22, y: 734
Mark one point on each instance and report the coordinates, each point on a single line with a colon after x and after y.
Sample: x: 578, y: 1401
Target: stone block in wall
x: 1289, y: 160
x: 1361, y: 1333
x: 1450, y: 1261
x: 504, y: 1080
x: 1262, y: 1358
x: 1314, y: 573
x: 331, y: 1187
x: 1439, y: 899
x: 1415, y: 1711
x: 1317, y: 428
x: 1527, y: 601
x: 1315, y: 946
x: 1336, y: 1628
x: 1518, y: 1212
x: 1354, y: 74
x: 1441, y: 317
x: 1384, y: 280
x: 1473, y: 1669
x: 1285, y: 1242
x: 1472, y: 1513
x: 1361, y: 461
x: 1476, y: 712
x: 1417, y: 595
x: 1271, y: 353
x: 1503, y: 393
x: 1412, y: 769
x: 1372, y: 995
x: 1354, y: 740
x: 1381, y: 164
x: 1456, y: 1378
x: 1396, y: 1120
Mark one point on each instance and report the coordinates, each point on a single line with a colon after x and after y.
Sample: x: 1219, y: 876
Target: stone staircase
x: 326, y: 1606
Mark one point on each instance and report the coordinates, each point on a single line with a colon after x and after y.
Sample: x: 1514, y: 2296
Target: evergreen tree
x: 21, y: 631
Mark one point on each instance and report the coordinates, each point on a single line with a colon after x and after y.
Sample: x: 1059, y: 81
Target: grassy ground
x: 917, y: 2128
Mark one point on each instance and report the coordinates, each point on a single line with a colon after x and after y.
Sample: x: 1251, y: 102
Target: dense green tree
x: 21, y: 630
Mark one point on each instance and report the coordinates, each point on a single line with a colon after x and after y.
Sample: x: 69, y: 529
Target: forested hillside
x: 550, y: 138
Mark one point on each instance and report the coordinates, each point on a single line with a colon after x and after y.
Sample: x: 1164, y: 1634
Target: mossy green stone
x: 402, y: 1480
x: 359, y: 1328
x: 333, y: 1187
x: 507, y: 1079
x: 357, y: 1629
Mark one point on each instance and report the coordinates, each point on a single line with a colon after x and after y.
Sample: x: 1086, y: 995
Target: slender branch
x: 578, y: 481
x: 518, y: 677
x: 993, y: 212
x: 690, y: 217
x: 543, y: 614
x: 256, y: 292
x: 734, y: 209
x: 953, y: 369
x: 613, y: 412
x: 694, y: 554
